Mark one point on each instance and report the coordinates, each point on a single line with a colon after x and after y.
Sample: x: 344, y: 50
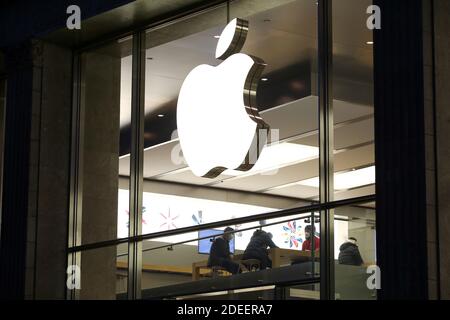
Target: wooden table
x: 279, y: 258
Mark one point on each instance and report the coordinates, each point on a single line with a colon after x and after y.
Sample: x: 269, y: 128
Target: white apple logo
x: 218, y: 122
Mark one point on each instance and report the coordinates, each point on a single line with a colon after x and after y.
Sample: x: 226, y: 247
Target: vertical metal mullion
x: 76, y: 170
x: 326, y: 144
x: 313, y: 245
x: 136, y: 165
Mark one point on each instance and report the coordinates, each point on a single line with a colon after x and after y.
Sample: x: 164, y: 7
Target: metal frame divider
x: 325, y: 206
x: 76, y: 179
x: 136, y: 166
x: 326, y: 147
x: 224, y: 223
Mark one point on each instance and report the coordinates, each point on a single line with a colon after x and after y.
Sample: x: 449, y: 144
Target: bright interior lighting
x: 226, y: 37
x: 279, y: 155
x: 346, y: 180
x: 165, y: 212
x: 369, y: 42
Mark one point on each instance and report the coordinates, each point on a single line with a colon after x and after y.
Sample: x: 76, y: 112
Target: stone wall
x: 442, y: 98
x: 100, y: 105
x: 48, y: 199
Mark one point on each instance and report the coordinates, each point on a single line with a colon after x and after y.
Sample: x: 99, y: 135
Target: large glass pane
x: 355, y: 252
x: 301, y: 292
x: 105, y: 137
x: 284, y: 35
x: 354, y: 159
x: 262, y: 254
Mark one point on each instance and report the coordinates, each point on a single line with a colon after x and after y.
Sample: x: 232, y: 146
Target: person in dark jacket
x: 220, y: 256
x: 349, y: 253
x: 257, y: 248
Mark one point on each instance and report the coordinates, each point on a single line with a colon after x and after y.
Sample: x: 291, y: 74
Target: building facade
x: 103, y: 193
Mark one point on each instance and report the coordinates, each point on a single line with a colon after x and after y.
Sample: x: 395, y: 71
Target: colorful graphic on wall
x: 292, y: 234
x: 197, y: 218
x: 169, y: 221
x: 166, y: 212
x: 128, y: 214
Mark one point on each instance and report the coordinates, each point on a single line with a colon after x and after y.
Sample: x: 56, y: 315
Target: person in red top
x: 307, y: 246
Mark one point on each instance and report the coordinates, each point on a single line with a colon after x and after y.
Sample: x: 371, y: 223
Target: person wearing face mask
x: 307, y: 244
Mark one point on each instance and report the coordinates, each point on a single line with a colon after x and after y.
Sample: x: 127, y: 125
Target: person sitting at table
x: 257, y: 248
x: 220, y: 256
x: 349, y: 253
x: 306, y: 246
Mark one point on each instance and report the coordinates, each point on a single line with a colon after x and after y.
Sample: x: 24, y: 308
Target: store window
x: 354, y: 135
x: 144, y: 93
x: 285, y: 97
x: 177, y: 196
x: 355, y: 252
x: 354, y: 156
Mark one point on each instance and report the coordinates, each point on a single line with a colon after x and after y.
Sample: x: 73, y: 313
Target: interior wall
x: 361, y: 225
x: 366, y: 240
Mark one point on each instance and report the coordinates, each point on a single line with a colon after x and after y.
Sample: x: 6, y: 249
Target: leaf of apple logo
x: 218, y: 122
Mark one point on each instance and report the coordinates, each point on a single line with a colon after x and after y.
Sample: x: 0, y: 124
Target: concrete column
x: 48, y: 195
x: 429, y: 134
x: 101, y: 107
x: 442, y: 98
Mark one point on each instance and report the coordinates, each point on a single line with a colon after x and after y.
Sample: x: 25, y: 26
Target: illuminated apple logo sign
x: 218, y: 122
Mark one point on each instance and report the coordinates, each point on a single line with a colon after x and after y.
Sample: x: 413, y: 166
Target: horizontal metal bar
x: 224, y: 223
x: 230, y: 232
x: 282, y: 276
x: 162, y: 295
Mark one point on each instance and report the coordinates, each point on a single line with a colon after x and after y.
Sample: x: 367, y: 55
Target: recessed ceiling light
x: 264, y: 79
x: 160, y: 116
x: 347, y: 180
x: 217, y: 36
x: 369, y: 42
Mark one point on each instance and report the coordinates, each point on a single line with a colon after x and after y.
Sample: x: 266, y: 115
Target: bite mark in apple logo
x: 219, y: 126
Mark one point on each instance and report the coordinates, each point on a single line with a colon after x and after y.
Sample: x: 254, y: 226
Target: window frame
x: 325, y: 206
